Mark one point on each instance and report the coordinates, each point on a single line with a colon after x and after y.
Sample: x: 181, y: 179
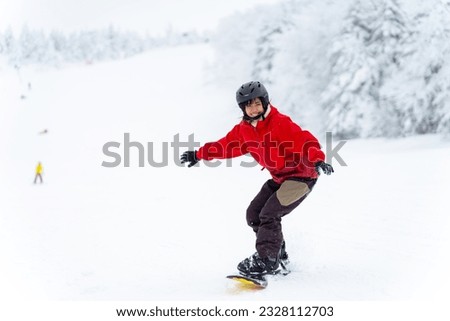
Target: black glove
x: 326, y: 168
x: 189, y: 157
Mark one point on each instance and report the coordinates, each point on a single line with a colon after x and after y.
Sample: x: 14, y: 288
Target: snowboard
x: 250, y: 282
x: 256, y: 281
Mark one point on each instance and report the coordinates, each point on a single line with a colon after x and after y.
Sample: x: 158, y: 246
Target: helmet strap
x: 250, y: 119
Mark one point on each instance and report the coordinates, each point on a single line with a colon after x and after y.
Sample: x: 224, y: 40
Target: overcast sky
x: 141, y: 15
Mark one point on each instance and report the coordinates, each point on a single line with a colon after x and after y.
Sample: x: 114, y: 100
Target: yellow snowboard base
x: 249, y: 282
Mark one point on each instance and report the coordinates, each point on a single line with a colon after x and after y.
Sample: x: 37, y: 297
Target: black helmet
x: 251, y: 90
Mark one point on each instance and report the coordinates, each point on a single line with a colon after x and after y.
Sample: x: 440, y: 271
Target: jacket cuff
x: 316, y: 155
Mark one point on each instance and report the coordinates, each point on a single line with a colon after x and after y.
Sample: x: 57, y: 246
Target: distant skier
x: 39, y: 170
x: 291, y: 155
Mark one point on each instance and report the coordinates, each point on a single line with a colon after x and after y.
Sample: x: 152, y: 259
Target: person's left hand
x: 326, y: 168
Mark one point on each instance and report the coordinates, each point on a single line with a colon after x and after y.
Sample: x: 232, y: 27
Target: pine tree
x: 420, y: 93
x: 58, y: 46
x: 362, y: 57
x: 9, y: 44
x: 268, y: 43
x: 54, y: 48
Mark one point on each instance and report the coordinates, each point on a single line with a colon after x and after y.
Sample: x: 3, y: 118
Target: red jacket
x: 276, y: 143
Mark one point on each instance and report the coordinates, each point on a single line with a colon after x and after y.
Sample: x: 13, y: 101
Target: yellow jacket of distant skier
x: 39, y: 169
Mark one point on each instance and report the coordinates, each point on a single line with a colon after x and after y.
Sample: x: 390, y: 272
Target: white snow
x: 375, y: 230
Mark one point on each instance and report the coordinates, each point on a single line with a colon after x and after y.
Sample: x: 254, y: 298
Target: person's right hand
x: 189, y: 157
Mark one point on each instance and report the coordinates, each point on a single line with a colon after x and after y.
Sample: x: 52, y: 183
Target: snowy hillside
x: 357, y: 68
x: 375, y: 230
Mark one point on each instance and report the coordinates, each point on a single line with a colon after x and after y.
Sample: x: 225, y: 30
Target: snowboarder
x: 39, y: 170
x: 291, y: 155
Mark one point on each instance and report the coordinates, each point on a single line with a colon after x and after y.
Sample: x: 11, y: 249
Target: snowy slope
x: 377, y: 229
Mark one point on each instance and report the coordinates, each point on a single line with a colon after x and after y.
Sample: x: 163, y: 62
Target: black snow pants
x: 268, y: 207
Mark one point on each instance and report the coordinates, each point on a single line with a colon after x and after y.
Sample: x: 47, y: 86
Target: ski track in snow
x: 375, y: 230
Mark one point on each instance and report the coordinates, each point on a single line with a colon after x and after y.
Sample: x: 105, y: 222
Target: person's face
x: 254, y: 107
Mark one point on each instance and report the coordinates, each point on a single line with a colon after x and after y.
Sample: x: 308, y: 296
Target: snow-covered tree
x: 57, y: 48
x: 235, y: 45
x: 367, y: 52
x: 299, y: 66
x: 420, y: 93
x: 377, y: 70
x: 7, y: 42
x: 268, y: 42
x: 54, y: 48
